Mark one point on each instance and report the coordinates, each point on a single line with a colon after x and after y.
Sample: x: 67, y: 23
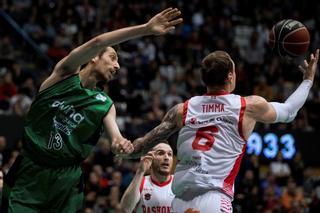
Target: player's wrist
x: 140, y: 171
x: 308, y: 80
x: 147, y: 29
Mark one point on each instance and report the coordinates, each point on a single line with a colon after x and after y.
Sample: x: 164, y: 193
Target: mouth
x: 113, y: 71
x: 165, y: 165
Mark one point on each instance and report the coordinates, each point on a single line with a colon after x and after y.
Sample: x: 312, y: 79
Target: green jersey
x: 64, y: 123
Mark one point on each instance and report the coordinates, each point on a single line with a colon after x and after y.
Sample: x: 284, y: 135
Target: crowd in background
x: 158, y: 72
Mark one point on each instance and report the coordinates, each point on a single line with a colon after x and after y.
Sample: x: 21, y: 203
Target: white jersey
x: 155, y: 197
x: 210, y: 144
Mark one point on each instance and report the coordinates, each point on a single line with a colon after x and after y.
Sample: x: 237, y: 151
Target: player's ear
x: 229, y: 77
x: 95, y: 59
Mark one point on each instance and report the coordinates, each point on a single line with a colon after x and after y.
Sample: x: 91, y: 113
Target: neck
x: 159, y: 178
x: 218, y: 90
x: 87, y: 78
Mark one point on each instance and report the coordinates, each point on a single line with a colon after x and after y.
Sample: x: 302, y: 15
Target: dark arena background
x: 281, y: 170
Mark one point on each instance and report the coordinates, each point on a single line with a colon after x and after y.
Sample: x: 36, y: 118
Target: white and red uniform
x: 210, y: 148
x: 155, y: 197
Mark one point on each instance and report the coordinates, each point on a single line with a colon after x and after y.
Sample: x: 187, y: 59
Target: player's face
x: 107, y: 65
x: 162, y: 162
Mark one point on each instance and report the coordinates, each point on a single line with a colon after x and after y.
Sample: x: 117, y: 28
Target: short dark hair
x: 215, y: 68
x: 105, y: 49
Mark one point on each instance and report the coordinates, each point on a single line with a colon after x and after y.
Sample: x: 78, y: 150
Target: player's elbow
x: 284, y: 112
x: 96, y: 42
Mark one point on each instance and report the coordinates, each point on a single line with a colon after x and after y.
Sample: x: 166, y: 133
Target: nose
x: 116, y: 66
x: 166, y: 157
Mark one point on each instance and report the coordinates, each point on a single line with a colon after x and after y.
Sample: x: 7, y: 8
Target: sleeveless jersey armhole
x: 185, y: 110
x: 142, y: 184
x: 241, y: 114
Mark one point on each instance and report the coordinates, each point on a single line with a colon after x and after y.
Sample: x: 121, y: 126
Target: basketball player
x: 151, y: 193
x: 213, y: 131
x: 66, y: 120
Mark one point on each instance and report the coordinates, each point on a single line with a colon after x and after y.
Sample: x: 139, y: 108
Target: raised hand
x: 164, y: 21
x: 122, y: 147
x: 309, y: 68
x: 145, y: 162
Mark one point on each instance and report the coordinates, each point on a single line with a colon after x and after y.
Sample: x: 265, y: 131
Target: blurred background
x: 281, y: 171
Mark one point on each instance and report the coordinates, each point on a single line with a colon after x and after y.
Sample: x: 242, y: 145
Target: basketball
x: 289, y: 38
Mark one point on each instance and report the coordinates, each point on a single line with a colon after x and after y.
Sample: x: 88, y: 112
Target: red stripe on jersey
x: 142, y: 184
x: 229, y: 181
x: 242, y: 109
x: 185, y: 110
x: 163, y: 183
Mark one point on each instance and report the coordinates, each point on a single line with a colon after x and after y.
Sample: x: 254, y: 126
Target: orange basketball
x: 289, y: 38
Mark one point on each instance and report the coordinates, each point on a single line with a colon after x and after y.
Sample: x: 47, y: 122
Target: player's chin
x: 108, y: 77
x: 164, y: 171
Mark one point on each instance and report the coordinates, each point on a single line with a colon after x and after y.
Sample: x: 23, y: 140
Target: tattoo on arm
x: 163, y: 131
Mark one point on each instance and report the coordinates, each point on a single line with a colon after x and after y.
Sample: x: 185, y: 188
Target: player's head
x: 218, y: 70
x: 105, y: 65
x: 163, y: 158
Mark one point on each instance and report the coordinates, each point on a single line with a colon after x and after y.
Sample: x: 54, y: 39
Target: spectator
x: 280, y: 170
x: 292, y: 197
x: 3, y: 143
x: 7, y: 88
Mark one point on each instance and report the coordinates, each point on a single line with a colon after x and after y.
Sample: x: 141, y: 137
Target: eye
x: 113, y: 57
x: 160, y: 153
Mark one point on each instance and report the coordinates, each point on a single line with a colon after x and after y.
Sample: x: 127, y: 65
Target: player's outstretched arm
x: 161, y: 23
x: 119, y: 144
x: 171, y: 123
x: 270, y: 112
x: 132, y: 194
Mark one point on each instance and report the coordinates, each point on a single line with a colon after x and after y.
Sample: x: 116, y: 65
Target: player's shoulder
x: 254, y: 100
x: 101, y: 96
x: 256, y: 105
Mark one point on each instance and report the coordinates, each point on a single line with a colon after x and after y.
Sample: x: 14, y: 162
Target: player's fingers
x: 175, y: 22
x: 311, y: 56
x: 146, y: 159
x: 124, y: 144
x: 131, y: 148
x: 317, y: 54
x: 150, y: 155
x: 301, y: 69
x: 127, y: 147
x: 169, y: 29
x: 305, y: 63
x: 166, y: 10
x: 172, y: 14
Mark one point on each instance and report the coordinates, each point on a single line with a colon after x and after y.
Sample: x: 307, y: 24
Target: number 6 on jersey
x: 204, y: 133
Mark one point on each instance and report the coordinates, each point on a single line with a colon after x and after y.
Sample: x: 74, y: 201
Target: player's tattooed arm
x: 171, y: 123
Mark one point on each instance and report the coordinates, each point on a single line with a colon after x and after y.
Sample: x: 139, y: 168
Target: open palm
x: 309, y: 68
x: 164, y: 21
